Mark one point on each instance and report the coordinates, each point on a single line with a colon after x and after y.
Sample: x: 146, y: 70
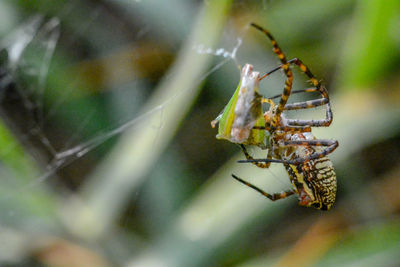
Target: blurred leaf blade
x: 370, y: 49
x: 132, y: 158
x: 212, y: 218
x: 376, y: 244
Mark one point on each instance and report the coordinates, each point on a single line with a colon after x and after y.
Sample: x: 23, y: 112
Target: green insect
x: 239, y: 120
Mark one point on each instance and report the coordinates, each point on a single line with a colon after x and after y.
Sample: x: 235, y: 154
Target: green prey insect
x: 242, y: 120
x: 243, y: 112
x: 290, y: 141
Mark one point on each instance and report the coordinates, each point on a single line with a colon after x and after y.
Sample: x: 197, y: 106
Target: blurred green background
x: 107, y: 154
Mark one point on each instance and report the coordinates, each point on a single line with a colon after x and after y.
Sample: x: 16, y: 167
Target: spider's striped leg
x: 313, y: 103
x: 272, y: 197
x: 310, y: 104
x: 287, y: 129
x: 266, y: 161
x: 312, y: 123
x: 258, y: 164
x: 307, y: 104
x: 308, y: 90
x: 270, y: 128
x: 309, y: 74
x: 330, y: 145
x: 286, y: 69
x: 317, y: 88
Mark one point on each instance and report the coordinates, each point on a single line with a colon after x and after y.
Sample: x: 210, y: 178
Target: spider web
x: 40, y: 37
x: 29, y: 57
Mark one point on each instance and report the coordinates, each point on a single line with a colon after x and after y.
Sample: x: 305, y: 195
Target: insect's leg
x: 285, y: 66
x: 258, y: 164
x: 272, y: 197
x: 217, y: 119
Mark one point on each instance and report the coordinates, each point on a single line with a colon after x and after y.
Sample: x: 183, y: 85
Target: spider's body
x: 292, y: 143
x: 313, y: 180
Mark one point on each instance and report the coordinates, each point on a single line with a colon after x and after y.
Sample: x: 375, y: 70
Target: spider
x: 314, y: 181
x: 290, y: 141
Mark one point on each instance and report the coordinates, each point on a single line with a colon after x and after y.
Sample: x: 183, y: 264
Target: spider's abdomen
x: 320, y: 175
x: 314, y: 180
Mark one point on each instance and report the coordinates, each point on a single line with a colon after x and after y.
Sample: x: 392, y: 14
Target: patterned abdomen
x: 320, y: 175
x: 313, y: 180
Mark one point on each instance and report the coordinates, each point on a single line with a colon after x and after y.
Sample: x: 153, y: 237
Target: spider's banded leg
x: 306, y: 70
x: 312, y: 123
x: 270, y: 72
x: 282, y: 128
x: 309, y: 74
x: 272, y: 197
x: 286, y: 129
x: 307, y: 104
x: 315, y: 142
x: 258, y: 164
x: 321, y: 89
x: 303, y: 128
x: 331, y: 145
x: 308, y: 90
x: 271, y: 161
x: 285, y: 66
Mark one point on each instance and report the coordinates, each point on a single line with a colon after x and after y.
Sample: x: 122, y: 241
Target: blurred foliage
x: 108, y: 157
